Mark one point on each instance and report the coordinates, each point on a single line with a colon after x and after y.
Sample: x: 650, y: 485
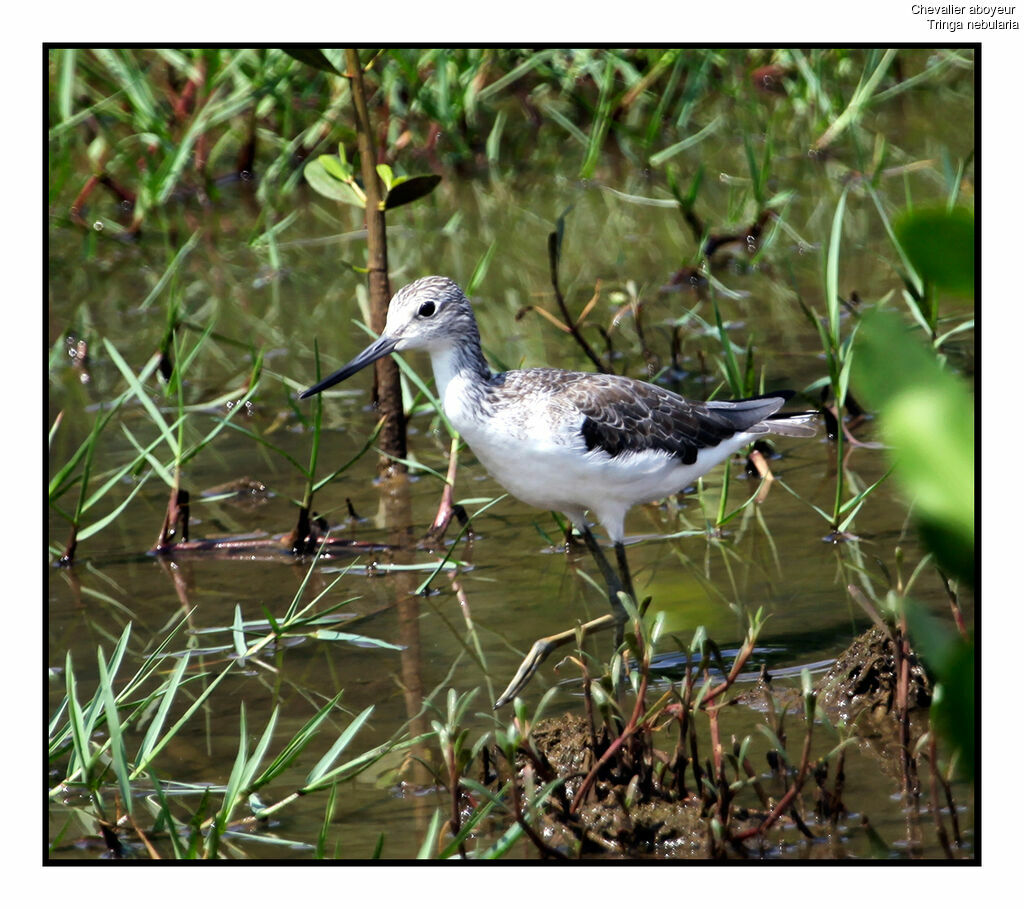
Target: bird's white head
x: 430, y: 314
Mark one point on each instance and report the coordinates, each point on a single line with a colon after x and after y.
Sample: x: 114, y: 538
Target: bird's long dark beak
x: 379, y: 348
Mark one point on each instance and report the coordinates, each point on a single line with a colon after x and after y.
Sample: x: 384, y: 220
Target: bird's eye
x: 427, y: 309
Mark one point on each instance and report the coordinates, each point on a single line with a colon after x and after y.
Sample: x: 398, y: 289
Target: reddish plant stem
x: 175, y: 520
x: 631, y: 728
x: 748, y: 769
x: 446, y: 507
x: 737, y: 667
x: 791, y: 793
x: 68, y: 556
x: 719, y: 769
x: 453, y: 788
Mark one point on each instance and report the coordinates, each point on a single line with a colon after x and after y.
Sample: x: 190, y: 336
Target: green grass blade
x: 321, y: 840
x: 468, y: 827
x: 236, y: 783
x: 915, y: 279
x: 238, y: 632
x: 172, y: 268
x: 571, y: 128
x: 858, y: 101
x: 146, y: 454
x: 362, y: 451
x: 532, y: 61
x: 447, y: 556
x: 296, y: 745
x: 316, y: 775
x: 112, y: 516
x: 326, y: 634
x: 166, y: 818
x: 81, y: 759
x: 428, y: 849
x: 659, y: 158
x: 135, y: 384
x: 117, y: 747
x: 855, y: 502
x: 136, y: 87
x: 185, y: 717
x: 600, y: 126
x: 832, y: 271
x: 66, y: 85
x: 260, y: 751
x: 156, y: 725
x: 256, y: 437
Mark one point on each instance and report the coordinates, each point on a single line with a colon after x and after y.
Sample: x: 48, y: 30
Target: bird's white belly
x: 545, y: 463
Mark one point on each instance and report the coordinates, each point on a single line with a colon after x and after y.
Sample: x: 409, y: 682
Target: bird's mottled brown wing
x: 622, y: 415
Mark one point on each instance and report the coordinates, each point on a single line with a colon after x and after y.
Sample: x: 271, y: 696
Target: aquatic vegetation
x: 301, y: 626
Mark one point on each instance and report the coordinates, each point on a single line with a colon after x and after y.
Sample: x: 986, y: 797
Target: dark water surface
x: 285, y: 293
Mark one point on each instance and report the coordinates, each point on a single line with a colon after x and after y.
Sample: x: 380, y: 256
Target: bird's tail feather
x: 799, y: 425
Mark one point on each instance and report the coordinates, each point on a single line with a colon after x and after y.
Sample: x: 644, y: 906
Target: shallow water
x: 517, y: 582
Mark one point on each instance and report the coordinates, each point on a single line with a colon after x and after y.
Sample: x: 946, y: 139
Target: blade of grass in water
x: 179, y: 257
x: 117, y: 746
x: 858, y: 102
x: 600, y: 126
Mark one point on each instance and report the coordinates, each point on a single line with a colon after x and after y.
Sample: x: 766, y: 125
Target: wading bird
x: 568, y: 441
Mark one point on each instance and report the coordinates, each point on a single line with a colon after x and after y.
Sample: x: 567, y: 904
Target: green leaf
x: 160, y: 718
x: 314, y: 57
x: 428, y: 849
x: 386, y: 174
x: 117, y: 748
x: 940, y: 245
x: 154, y: 750
x: 81, y: 756
x: 927, y: 419
x: 296, y: 745
x: 335, y: 167
x: 949, y: 660
x: 361, y: 640
x: 408, y: 189
x: 661, y: 157
x: 340, y: 744
x: 137, y: 389
x: 98, y: 525
x: 171, y: 270
x: 238, y: 632
x: 321, y: 181
x: 832, y: 271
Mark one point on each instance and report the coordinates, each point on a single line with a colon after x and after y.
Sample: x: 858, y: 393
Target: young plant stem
x: 446, y: 508
x: 388, y: 388
x: 790, y: 795
x: 631, y: 727
x: 453, y: 788
x: 716, y: 756
x: 302, y: 538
